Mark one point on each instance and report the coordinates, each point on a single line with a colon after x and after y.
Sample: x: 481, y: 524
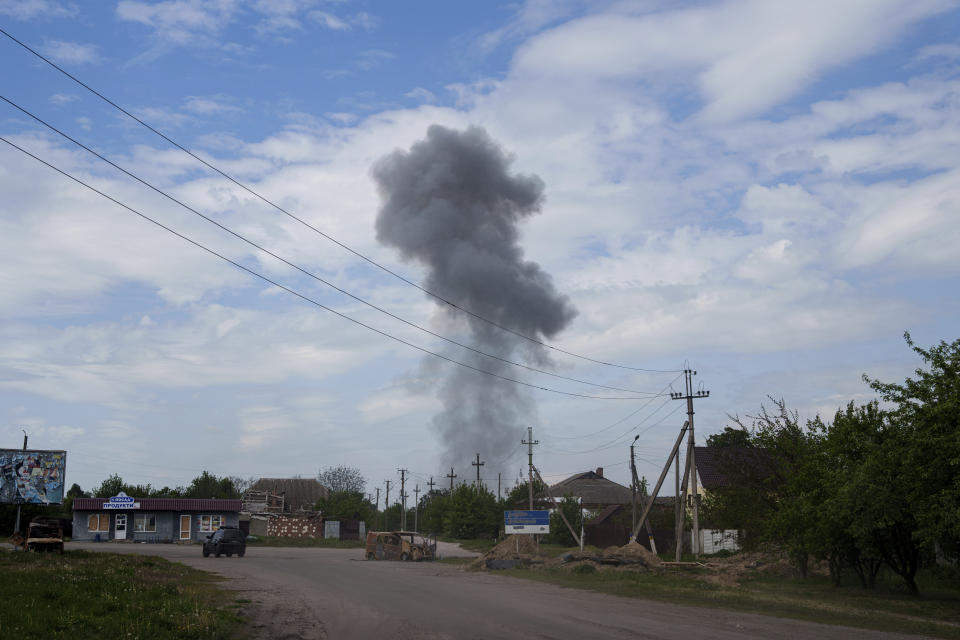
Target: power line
x: 317, y: 230
x: 303, y: 296
x: 301, y: 269
x: 624, y: 418
x: 616, y: 441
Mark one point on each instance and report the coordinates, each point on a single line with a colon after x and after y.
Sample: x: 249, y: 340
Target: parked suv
x: 228, y: 540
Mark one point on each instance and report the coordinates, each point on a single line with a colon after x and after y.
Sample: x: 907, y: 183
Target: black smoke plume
x: 451, y: 204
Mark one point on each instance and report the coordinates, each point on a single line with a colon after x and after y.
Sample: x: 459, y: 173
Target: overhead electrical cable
x: 306, y: 272
x: 303, y: 296
x: 617, y: 441
x: 313, y: 228
x: 623, y: 419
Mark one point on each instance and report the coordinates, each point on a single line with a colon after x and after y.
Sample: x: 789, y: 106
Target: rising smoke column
x: 452, y: 205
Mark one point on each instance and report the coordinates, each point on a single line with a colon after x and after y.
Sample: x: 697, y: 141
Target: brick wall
x: 295, y: 527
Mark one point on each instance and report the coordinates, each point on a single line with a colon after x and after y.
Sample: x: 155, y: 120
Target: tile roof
x: 300, y: 494
x: 593, y: 488
x: 715, y: 464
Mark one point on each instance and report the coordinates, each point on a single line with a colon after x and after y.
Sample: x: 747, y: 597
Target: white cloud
x: 180, y: 22
x: 63, y: 98
x: 37, y: 9
x: 745, y: 56
x: 71, y: 52
x: 372, y: 58
x: 209, y: 105
x: 421, y: 95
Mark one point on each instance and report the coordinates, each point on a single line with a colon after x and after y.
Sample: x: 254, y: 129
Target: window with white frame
x: 145, y: 523
x: 98, y: 522
x: 210, y: 523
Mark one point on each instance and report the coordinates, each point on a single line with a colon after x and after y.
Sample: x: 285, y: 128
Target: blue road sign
x: 526, y: 521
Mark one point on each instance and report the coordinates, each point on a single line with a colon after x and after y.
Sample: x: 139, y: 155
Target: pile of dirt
x: 513, y: 551
x: 633, y: 553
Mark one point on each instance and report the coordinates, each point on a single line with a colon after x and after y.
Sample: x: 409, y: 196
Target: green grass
x: 82, y: 594
x: 329, y: 543
x: 887, y: 608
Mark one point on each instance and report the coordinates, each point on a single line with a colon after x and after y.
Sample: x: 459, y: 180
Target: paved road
x: 334, y: 593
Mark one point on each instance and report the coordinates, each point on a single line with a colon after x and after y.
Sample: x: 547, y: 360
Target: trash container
x: 97, y: 538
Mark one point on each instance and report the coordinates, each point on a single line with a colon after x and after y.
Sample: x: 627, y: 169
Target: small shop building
x: 128, y: 518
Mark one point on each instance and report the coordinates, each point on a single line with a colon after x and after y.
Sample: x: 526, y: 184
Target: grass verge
x: 329, y: 543
x: 81, y: 594
x: 815, y: 599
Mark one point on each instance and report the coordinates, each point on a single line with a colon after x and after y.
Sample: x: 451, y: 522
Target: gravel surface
x: 307, y: 593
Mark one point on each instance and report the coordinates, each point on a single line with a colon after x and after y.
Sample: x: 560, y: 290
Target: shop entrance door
x: 184, y: 527
x: 120, y: 527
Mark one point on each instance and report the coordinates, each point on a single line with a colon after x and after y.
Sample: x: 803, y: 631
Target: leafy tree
x: 473, y: 512
x: 730, y: 437
x: 519, y: 496
x: 347, y: 505
x: 926, y: 424
x: 75, y: 491
x: 110, y: 487
x: 342, y: 478
x: 433, y: 508
x: 208, y: 485
x: 559, y: 533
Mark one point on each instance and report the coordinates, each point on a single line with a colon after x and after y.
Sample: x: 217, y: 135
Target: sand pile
x: 633, y: 551
x: 513, y: 551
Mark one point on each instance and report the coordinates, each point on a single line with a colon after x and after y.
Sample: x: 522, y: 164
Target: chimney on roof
x: 600, y: 471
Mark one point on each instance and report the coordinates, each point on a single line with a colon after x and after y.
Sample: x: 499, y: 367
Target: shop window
x: 98, y: 522
x: 145, y: 523
x: 210, y: 523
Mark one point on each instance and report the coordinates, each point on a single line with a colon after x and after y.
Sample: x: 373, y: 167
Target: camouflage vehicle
x: 398, y: 545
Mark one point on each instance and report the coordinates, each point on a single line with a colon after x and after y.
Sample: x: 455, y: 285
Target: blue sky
x: 766, y: 191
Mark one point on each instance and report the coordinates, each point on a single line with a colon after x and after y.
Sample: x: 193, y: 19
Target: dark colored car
x: 228, y: 540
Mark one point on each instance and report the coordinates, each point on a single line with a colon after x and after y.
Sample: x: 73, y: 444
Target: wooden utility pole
x: 530, y: 442
x: 416, y: 507
x: 478, y: 464
x: 403, y: 499
x: 656, y: 490
x: 689, y: 396
x: 635, y: 486
x: 377, y: 506
x: 431, y: 485
x: 451, y: 475
x: 386, y: 505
